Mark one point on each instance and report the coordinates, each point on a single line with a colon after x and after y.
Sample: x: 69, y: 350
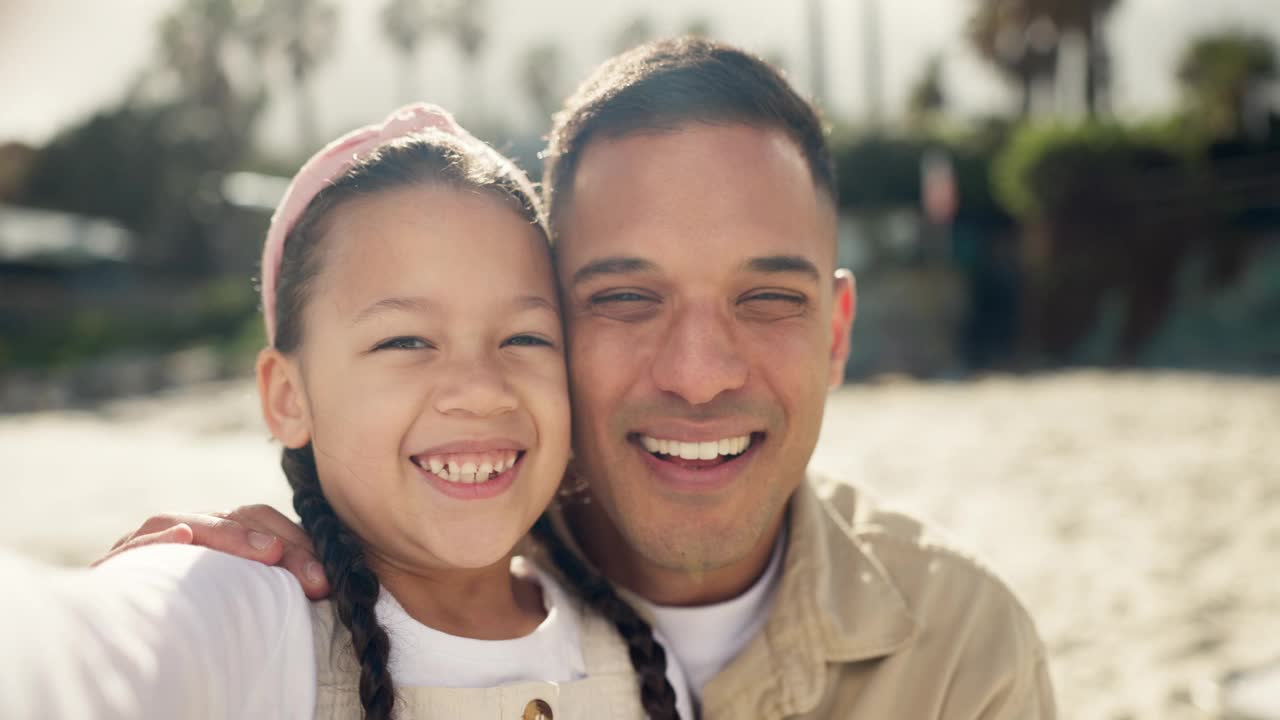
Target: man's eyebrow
x: 405, y: 304
x: 783, y: 264
x: 614, y: 265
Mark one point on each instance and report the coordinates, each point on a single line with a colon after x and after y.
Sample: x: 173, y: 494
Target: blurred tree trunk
x: 407, y: 24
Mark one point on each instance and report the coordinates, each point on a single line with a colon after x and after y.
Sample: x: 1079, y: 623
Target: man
x: 692, y: 197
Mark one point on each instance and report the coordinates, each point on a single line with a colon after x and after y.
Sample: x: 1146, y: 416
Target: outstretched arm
x: 163, y: 632
x: 253, y: 532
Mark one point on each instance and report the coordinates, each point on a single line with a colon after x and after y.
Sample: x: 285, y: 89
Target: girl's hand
x: 253, y: 532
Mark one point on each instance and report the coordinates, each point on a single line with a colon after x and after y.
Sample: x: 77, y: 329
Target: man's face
x: 705, y: 324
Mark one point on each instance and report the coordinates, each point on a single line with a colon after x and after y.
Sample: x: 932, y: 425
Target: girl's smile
x: 473, y: 470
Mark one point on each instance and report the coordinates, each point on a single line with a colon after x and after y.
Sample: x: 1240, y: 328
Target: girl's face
x: 431, y: 376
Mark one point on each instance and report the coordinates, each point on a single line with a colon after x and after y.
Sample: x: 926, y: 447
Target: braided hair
x: 647, y: 654
x: 355, y: 586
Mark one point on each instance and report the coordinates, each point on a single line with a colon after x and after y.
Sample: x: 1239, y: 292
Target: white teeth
x: 478, y: 469
x: 707, y: 450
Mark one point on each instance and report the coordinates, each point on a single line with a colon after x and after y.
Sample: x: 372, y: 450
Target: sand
x: 1136, y: 515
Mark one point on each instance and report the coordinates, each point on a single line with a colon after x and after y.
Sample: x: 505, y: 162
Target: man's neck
x: 610, y: 551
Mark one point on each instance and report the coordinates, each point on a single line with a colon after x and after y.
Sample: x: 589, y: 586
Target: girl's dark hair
x: 428, y: 158
x: 647, y: 655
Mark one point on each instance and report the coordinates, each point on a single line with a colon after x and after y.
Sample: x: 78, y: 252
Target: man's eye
x: 622, y: 296
x: 527, y: 341
x: 403, y: 343
x: 776, y: 297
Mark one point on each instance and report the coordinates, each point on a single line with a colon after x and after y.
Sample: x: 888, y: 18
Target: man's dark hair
x: 662, y: 85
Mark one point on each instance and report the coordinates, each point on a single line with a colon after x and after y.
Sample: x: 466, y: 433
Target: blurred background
x: 1064, y: 217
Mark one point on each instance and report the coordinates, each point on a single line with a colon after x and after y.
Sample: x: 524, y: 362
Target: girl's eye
x: 527, y: 341
x: 403, y: 343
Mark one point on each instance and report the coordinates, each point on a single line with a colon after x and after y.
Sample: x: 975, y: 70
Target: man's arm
x: 1029, y: 698
x: 253, y: 532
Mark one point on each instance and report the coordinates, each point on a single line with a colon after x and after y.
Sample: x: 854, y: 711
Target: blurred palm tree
x: 815, y: 17
x: 198, y: 43
x: 303, y: 33
x: 699, y: 26
x: 928, y: 99
x: 637, y: 31
x: 408, y: 24
x: 540, y: 74
x: 466, y: 22
x: 1022, y: 39
x: 1225, y: 75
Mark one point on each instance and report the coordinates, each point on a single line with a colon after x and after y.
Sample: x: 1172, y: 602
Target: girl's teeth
x: 436, y: 466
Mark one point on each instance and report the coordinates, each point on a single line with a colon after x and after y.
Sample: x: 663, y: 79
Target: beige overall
x: 608, y: 692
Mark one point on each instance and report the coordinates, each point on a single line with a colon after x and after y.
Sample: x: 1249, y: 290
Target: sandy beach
x: 1136, y: 515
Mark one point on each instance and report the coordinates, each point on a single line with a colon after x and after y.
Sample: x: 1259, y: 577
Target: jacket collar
x: 835, y: 603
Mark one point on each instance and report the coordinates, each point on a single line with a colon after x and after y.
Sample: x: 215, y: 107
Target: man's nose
x: 699, y: 357
x: 471, y: 385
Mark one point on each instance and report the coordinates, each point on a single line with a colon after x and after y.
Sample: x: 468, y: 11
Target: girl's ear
x: 284, y: 402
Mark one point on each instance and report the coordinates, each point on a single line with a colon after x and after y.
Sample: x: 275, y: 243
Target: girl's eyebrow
x: 404, y: 304
x: 423, y: 305
x: 533, y: 302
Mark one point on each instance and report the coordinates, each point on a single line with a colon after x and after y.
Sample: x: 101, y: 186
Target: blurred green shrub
x: 1052, y: 170
x: 221, y: 313
x: 1109, y: 213
x: 1235, y: 328
x: 877, y: 171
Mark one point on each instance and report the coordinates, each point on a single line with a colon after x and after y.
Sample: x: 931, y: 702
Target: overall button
x: 537, y: 709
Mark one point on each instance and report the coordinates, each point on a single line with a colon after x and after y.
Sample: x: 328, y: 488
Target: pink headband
x: 326, y: 166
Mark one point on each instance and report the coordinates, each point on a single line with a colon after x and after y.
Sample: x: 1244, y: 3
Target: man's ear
x: 284, y: 403
x: 843, y: 311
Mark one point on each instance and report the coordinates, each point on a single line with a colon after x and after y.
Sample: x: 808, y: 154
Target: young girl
x: 416, y: 378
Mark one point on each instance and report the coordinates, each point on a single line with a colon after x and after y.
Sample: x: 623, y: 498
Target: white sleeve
x: 166, y: 631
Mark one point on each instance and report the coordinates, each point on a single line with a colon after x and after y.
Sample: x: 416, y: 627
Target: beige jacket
x: 609, y: 692
x: 874, y: 619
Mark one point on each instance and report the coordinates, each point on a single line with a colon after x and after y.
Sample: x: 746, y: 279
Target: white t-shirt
x: 704, y: 639
x: 423, y: 656
x: 171, y: 631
